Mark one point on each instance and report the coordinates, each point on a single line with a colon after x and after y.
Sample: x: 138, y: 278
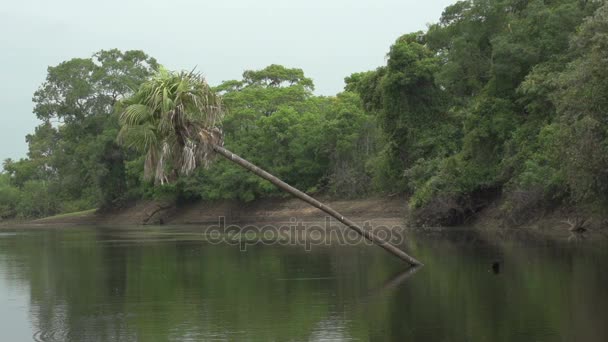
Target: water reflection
x: 166, y: 283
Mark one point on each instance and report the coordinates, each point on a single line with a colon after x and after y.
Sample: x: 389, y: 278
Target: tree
x: 411, y: 109
x: 274, y: 119
x: 9, y: 197
x: 83, y: 87
x: 350, y: 138
x: 75, y: 149
x: 479, y: 103
x: 263, y: 92
x: 174, y: 120
x: 314, y: 143
x: 582, y: 106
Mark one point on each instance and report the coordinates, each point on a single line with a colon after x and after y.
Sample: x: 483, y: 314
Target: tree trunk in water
x: 304, y: 197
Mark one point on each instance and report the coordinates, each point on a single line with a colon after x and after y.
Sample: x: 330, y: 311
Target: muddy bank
x: 386, y: 211
x: 391, y: 210
x: 561, y: 222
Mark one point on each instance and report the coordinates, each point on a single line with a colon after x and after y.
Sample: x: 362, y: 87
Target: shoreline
x: 379, y: 211
x: 275, y: 210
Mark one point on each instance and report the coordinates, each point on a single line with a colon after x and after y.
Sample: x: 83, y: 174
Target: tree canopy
x: 500, y: 99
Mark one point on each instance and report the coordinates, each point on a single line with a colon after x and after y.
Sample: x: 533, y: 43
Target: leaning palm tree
x: 174, y: 119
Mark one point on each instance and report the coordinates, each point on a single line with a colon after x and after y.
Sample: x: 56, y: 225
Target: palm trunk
x: 304, y: 197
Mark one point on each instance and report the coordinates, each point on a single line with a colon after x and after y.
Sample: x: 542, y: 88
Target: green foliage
x: 36, y: 200
x: 499, y: 97
x: 83, y: 87
x: 73, y: 161
x: 313, y: 143
x: 411, y: 109
x: 172, y: 119
x: 582, y: 105
x: 9, y: 197
x: 351, y: 141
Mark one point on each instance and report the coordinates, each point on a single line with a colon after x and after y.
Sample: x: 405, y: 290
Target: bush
x: 9, y: 198
x: 35, y: 200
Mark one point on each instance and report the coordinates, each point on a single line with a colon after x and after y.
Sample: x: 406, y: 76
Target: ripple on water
x: 51, y: 335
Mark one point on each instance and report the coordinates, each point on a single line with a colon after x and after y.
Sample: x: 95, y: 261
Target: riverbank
x: 391, y: 210
x: 386, y: 211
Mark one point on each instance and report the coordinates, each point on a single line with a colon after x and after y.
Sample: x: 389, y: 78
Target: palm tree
x: 174, y: 119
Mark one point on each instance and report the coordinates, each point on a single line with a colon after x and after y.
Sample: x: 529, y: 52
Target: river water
x: 170, y: 284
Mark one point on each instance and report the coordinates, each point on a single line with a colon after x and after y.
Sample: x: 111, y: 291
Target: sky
x: 328, y: 39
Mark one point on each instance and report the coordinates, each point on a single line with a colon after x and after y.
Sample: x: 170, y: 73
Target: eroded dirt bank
x: 391, y: 209
x: 386, y: 211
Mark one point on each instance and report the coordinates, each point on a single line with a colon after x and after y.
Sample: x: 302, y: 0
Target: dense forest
x: 500, y: 101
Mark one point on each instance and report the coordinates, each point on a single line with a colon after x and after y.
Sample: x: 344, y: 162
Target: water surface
x: 169, y: 284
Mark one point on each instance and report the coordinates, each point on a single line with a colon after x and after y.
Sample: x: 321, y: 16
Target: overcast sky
x: 329, y: 39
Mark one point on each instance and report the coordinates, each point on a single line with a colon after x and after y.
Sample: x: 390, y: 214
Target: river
x: 171, y: 284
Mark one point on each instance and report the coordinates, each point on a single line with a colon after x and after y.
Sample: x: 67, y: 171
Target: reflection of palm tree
x: 393, y: 283
x: 174, y: 119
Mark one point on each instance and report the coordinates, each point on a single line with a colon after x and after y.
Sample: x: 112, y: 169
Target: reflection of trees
x: 545, y: 293
x: 95, y: 285
x: 155, y: 285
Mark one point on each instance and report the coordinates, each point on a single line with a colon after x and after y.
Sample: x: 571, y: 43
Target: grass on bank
x: 66, y: 215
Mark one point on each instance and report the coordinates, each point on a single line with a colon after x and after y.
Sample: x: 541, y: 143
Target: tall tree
x: 74, y: 148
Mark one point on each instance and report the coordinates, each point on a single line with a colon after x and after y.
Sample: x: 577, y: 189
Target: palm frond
x: 174, y: 118
x: 139, y: 137
x: 135, y: 114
